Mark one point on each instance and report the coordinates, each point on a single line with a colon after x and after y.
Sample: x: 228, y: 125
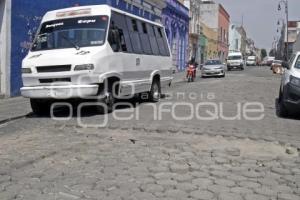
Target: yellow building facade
x: 211, y: 50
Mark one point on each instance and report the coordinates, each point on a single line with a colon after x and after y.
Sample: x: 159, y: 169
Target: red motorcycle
x: 191, y: 73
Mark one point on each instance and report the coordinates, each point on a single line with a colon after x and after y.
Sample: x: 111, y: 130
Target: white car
x: 289, y: 93
x: 213, y: 68
x: 95, y: 52
x: 251, y: 61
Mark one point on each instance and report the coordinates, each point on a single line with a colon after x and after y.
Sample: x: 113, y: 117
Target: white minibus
x: 95, y: 52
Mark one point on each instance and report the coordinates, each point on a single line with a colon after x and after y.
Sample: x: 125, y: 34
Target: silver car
x: 213, y: 68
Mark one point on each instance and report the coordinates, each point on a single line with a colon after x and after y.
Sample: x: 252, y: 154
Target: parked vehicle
x: 270, y: 60
x: 95, y: 52
x: 263, y: 63
x: 235, y: 61
x: 213, y: 68
x: 276, y: 67
x: 289, y: 93
x: 251, y: 61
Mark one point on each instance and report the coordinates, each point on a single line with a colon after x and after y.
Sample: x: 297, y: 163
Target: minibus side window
x: 134, y: 35
x: 114, y: 37
x: 152, y: 37
x: 160, y: 41
x: 165, y: 42
x: 120, y: 22
x: 145, y: 38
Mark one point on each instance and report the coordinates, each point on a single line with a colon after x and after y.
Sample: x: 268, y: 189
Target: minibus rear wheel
x: 40, y: 106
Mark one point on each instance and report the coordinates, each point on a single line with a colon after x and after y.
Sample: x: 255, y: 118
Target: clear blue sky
x: 260, y: 17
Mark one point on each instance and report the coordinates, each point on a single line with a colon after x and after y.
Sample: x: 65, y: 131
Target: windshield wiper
x: 71, y: 42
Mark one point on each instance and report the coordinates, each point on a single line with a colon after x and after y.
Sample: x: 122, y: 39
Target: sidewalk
x: 13, y: 108
x: 18, y: 107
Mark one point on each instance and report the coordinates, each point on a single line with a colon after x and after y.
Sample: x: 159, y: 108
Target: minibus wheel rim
x: 109, y: 101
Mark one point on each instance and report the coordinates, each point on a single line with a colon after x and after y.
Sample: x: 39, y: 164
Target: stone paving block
x: 183, y: 177
x: 249, y: 184
x: 218, y: 189
x: 230, y: 196
x: 283, y: 189
x: 252, y: 174
x: 152, y: 188
x: 288, y: 196
x: 241, y: 190
x: 225, y: 182
x: 180, y: 169
x: 167, y: 183
x: 233, y: 151
x: 200, y: 174
x: 188, y: 187
x: 202, y: 182
x: 202, y: 195
x: 164, y: 175
x: 236, y: 177
x: 176, y: 194
x: 142, y: 196
x: 219, y: 174
x: 266, y: 191
x: 255, y: 197
x: 280, y: 171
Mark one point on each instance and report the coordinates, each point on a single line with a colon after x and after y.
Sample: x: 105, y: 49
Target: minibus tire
x: 109, y: 102
x: 40, y: 107
x: 155, y: 92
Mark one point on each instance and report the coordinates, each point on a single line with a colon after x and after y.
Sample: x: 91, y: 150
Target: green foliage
x: 263, y: 53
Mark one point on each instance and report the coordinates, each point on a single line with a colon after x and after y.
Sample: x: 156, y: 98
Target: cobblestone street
x: 144, y: 158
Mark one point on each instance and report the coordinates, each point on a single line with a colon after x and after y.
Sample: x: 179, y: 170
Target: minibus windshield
x: 71, y: 33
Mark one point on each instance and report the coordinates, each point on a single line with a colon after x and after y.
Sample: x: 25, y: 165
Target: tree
x: 272, y: 52
x: 263, y: 53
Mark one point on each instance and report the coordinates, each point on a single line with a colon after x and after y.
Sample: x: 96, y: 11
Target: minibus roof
x: 79, y: 11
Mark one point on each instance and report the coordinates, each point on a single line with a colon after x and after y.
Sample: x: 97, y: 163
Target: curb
x: 4, y: 121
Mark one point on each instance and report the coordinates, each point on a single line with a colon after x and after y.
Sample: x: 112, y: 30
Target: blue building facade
x: 26, y: 17
x: 175, y: 17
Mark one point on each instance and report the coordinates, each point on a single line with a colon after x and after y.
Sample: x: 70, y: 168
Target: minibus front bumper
x: 60, y: 92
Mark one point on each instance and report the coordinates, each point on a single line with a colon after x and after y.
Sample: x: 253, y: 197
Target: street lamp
x: 286, y: 5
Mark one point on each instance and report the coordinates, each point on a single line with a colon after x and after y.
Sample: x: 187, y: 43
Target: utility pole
x: 286, y: 5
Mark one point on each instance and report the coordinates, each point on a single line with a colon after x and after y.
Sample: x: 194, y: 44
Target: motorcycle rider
x: 192, y: 64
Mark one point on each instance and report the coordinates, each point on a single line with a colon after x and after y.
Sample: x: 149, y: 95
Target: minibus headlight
x: 295, y: 81
x: 26, y: 71
x: 84, y: 67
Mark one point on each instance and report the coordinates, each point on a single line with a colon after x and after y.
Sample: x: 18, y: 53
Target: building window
x: 134, y: 25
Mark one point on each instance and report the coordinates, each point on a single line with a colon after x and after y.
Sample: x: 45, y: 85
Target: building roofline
x: 224, y: 11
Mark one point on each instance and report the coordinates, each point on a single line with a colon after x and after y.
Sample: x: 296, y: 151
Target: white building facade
x: 194, y: 29
x: 235, y: 39
x: 5, y: 21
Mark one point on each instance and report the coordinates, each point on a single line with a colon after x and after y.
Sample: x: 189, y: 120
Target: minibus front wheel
x: 108, y: 94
